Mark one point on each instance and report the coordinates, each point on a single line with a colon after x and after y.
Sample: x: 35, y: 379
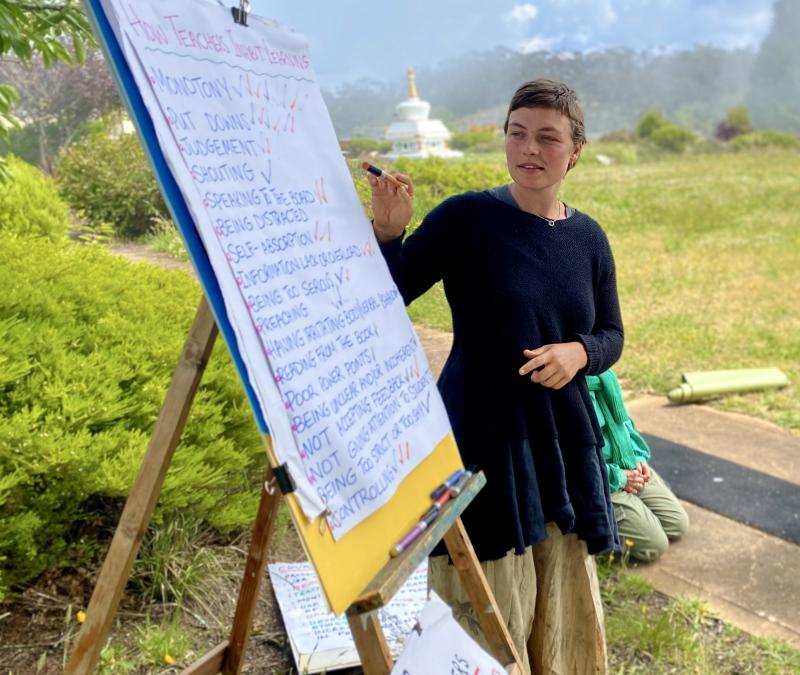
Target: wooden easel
x: 228, y: 657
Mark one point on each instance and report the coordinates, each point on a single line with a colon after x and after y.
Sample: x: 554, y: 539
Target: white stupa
x: 412, y: 134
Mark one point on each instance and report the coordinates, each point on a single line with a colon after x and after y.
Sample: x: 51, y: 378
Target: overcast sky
x: 380, y: 39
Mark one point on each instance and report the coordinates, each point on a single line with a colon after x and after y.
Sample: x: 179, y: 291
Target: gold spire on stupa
x: 412, y: 84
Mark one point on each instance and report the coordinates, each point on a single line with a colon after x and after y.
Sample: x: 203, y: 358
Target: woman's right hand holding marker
x: 392, y: 205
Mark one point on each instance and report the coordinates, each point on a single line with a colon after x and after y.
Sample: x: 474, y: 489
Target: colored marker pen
x: 380, y: 173
x: 461, y: 484
x: 406, y: 541
x: 425, y: 522
x: 450, y: 482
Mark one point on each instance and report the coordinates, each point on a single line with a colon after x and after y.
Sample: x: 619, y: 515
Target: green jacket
x: 624, y: 447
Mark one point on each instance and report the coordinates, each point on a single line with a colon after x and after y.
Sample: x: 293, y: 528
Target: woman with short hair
x: 532, y: 289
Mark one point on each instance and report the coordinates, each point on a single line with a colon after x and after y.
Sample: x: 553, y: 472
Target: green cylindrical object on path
x: 704, y: 384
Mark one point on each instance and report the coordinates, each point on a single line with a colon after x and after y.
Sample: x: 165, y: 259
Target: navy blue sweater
x: 514, y: 282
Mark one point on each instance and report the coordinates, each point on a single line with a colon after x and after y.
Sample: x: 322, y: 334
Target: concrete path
x: 749, y: 578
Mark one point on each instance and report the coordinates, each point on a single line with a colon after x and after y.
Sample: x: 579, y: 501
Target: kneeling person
x: 648, y: 513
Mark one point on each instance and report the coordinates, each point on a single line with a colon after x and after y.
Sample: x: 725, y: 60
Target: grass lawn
x: 651, y: 634
x: 708, y: 256
x: 708, y: 264
x: 708, y: 250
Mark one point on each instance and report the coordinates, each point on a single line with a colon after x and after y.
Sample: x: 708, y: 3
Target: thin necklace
x: 552, y: 221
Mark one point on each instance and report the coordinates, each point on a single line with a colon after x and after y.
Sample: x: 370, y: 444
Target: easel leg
x: 370, y: 643
x: 144, y: 494
x: 472, y: 577
x: 251, y: 583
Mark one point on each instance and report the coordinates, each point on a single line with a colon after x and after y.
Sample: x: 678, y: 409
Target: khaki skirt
x: 550, y: 599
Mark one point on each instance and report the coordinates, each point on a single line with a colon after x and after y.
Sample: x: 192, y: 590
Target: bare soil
x: 38, y: 625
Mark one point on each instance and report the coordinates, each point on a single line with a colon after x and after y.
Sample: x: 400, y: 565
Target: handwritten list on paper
x: 338, y: 371
x: 323, y: 642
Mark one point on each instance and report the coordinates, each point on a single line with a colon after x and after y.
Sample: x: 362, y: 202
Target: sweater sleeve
x: 423, y: 258
x: 616, y: 477
x: 604, y: 344
x: 640, y: 449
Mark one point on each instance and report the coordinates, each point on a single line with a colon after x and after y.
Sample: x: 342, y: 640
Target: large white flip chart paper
x: 338, y: 371
x: 321, y: 641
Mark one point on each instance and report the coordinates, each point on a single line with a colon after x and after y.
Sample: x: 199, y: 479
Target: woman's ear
x: 576, y: 155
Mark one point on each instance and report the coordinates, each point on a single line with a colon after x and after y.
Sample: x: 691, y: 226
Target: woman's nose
x: 531, y: 148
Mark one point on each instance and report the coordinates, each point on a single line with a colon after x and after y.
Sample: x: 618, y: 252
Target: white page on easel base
x: 339, y: 373
x: 437, y: 644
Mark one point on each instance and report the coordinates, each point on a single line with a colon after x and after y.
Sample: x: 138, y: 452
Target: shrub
x: 165, y: 239
x: 109, y: 180
x: 672, y: 138
x: 650, y: 122
x: 29, y: 203
x: 435, y: 179
x: 479, y: 139
x: 365, y: 146
x: 619, y: 136
x: 90, y: 343
x: 768, y: 138
x: 163, y: 643
x: 737, y: 122
x: 26, y: 142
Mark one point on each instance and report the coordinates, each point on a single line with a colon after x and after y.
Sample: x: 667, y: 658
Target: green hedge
x: 435, y: 179
x: 90, y: 343
x: 649, y: 123
x: 672, y: 138
x: 364, y: 146
x: 663, y: 134
x: 487, y: 139
x: 765, y: 139
x: 29, y: 203
x: 110, y: 182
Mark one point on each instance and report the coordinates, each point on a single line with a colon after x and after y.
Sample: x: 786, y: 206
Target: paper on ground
x: 439, y: 645
x: 321, y: 641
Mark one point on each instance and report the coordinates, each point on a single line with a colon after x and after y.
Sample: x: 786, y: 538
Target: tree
x: 44, y: 28
x: 671, y: 137
x: 737, y: 122
x: 775, y: 80
x: 650, y: 123
x: 55, y: 103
